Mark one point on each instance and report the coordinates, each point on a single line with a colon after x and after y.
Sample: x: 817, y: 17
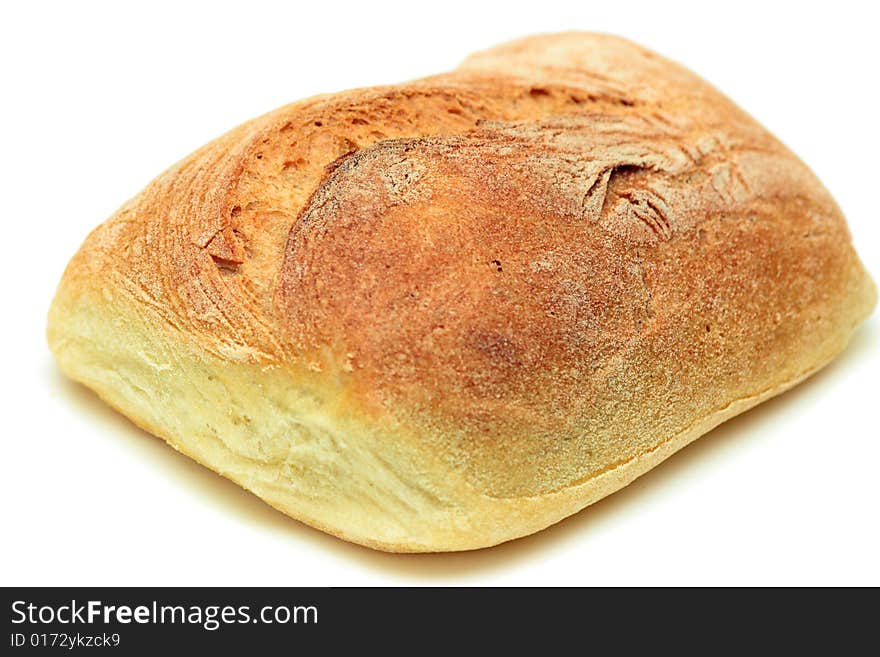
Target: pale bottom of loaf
x: 301, y: 450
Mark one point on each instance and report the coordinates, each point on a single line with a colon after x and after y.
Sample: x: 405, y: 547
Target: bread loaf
x: 448, y: 313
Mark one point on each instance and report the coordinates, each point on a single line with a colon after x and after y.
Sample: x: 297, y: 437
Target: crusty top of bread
x: 538, y: 265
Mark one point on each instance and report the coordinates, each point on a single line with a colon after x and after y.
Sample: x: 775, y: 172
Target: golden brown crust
x: 522, y: 275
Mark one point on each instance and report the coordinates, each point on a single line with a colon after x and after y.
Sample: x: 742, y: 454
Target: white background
x: 98, y: 99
